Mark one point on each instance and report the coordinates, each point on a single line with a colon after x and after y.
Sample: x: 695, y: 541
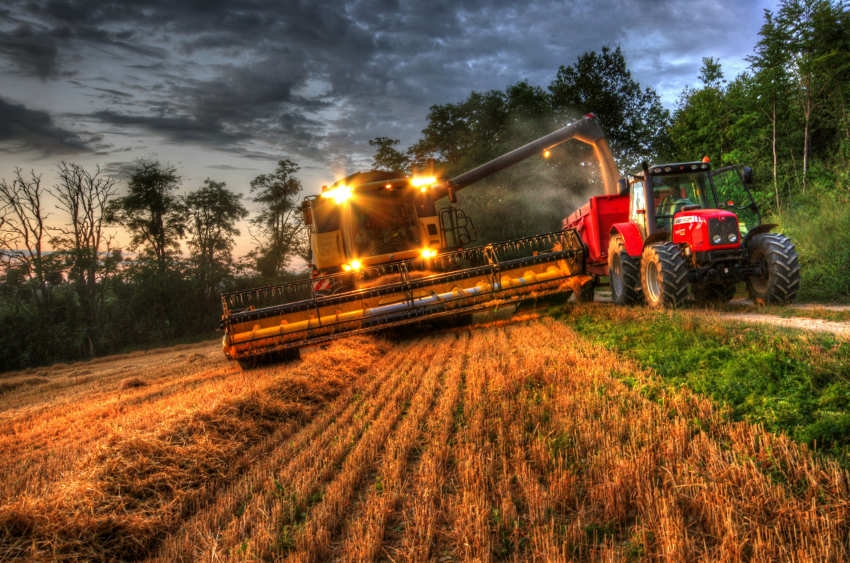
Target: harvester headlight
x: 353, y: 266
x: 716, y: 238
x: 733, y: 237
x: 428, y: 253
x: 339, y: 194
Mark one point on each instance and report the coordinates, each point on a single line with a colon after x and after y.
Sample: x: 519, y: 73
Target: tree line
x: 66, y: 293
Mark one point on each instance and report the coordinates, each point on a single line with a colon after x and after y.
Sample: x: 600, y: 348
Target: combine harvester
x: 384, y: 255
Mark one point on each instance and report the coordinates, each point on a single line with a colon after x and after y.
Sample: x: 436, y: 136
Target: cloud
x: 32, y: 51
x: 319, y: 79
x: 23, y: 129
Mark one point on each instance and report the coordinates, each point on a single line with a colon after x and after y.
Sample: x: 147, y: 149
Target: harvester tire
x: 776, y: 259
x: 664, y: 275
x: 623, y: 273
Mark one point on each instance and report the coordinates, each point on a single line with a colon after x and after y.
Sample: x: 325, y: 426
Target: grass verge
x: 790, y: 381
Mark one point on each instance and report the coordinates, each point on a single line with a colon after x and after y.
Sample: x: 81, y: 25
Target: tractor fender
x: 757, y: 230
x: 632, y: 238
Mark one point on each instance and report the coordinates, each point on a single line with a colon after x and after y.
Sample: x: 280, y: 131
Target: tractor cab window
x: 383, y: 223
x: 674, y: 193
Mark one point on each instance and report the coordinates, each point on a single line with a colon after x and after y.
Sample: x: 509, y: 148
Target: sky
x: 224, y: 89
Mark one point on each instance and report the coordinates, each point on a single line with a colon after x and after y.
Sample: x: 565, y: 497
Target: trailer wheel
x: 778, y: 277
x: 664, y: 275
x: 623, y: 273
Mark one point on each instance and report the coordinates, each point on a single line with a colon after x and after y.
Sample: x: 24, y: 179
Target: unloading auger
x: 384, y: 255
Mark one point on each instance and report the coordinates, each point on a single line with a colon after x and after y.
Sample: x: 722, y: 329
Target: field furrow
x: 512, y: 440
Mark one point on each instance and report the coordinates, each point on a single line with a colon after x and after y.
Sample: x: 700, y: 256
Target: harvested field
x: 513, y: 440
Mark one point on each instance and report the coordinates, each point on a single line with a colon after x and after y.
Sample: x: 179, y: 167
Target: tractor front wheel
x: 778, y: 277
x: 664, y: 275
x: 623, y: 273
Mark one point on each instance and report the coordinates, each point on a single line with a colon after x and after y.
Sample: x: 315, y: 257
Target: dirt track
x: 512, y: 439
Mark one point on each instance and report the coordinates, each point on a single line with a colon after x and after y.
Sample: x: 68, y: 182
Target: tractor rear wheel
x: 623, y: 273
x: 778, y: 277
x: 664, y: 275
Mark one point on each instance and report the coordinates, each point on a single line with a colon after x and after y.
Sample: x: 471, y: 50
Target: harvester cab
x: 367, y: 220
x: 385, y: 254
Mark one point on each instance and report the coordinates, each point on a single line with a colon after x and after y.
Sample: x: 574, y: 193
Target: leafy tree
x: 151, y: 212
x: 771, y: 94
x: 701, y: 121
x: 635, y: 122
x: 387, y: 157
x: 213, y: 212
x: 460, y: 136
x: 282, y: 233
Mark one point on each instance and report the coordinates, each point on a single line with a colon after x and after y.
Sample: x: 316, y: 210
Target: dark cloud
x: 23, y: 129
x: 31, y: 50
x: 318, y: 79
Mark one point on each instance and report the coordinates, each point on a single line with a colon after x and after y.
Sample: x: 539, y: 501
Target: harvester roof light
x: 705, y: 159
x: 428, y: 253
x: 339, y: 193
x: 423, y: 181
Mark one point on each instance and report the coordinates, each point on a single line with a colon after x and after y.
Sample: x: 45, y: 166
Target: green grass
x: 826, y: 312
x: 790, y: 381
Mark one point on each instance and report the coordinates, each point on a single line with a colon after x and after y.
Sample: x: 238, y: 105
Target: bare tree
x: 23, y: 231
x: 84, y: 197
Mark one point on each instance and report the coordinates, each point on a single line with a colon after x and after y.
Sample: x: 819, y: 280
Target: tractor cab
x: 660, y: 192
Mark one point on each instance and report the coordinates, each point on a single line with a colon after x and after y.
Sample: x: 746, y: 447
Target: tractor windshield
x: 732, y: 194
x: 675, y: 192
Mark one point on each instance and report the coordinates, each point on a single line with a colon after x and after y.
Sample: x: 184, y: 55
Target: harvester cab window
x: 383, y: 224
x: 325, y: 217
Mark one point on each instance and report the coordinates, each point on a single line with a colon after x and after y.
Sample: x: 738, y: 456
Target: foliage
x: 819, y: 227
x: 634, y: 119
x: 387, y: 157
x: 281, y: 229
x: 152, y: 213
x: 213, y: 211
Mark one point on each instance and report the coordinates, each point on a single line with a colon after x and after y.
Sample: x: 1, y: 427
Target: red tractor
x: 683, y: 231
